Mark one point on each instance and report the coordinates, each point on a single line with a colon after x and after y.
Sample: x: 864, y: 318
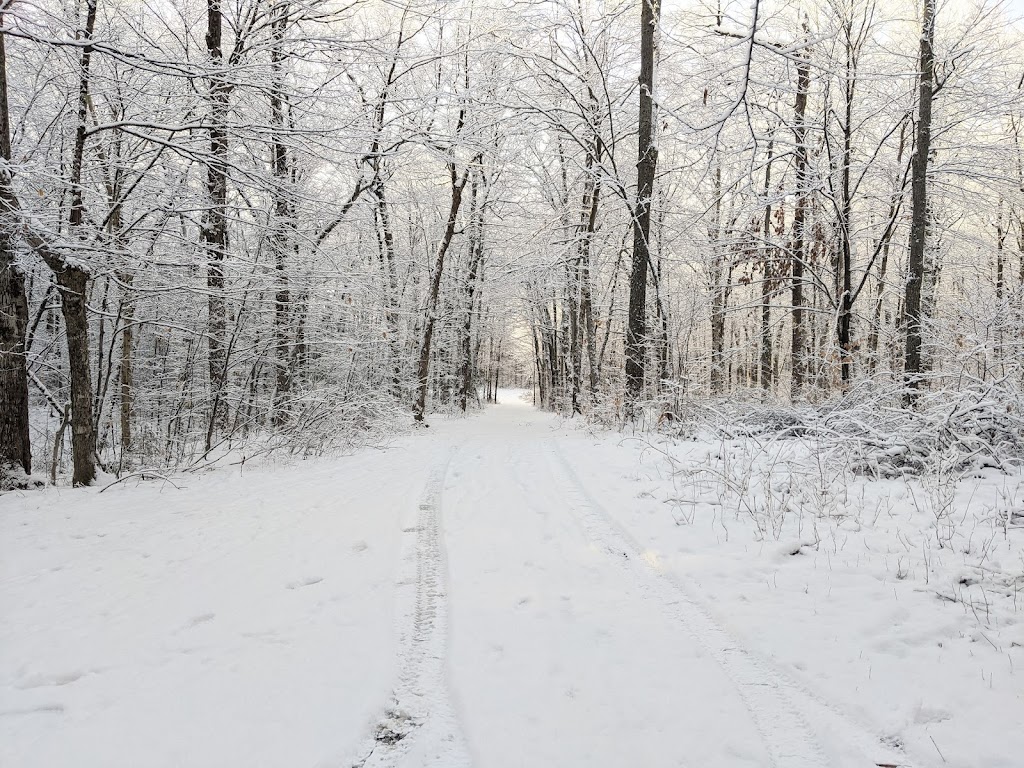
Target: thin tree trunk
x: 476, y: 253
x: 883, y: 265
x: 718, y: 295
x: 575, y: 336
x: 423, y: 366
x: 591, y: 201
x: 845, y: 298
x: 497, y: 370
x: 719, y: 287
x: 662, y: 312
x: 767, y: 276
x: 391, y: 288
x: 126, y: 371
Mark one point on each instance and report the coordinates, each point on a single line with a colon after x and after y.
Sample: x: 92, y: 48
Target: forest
x: 714, y: 310
x: 290, y: 225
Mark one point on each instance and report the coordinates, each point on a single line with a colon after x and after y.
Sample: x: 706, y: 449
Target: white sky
x: 1016, y: 7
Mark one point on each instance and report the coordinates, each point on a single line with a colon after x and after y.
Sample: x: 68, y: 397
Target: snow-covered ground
x: 507, y: 591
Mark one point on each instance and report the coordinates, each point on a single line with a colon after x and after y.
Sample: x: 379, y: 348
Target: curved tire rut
x: 778, y: 705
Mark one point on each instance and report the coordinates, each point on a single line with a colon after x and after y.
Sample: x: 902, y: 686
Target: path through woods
x: 463, y: 598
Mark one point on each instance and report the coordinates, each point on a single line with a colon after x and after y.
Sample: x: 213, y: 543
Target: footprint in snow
x: 306, y: 582
x: 53, y: 709
x: 43, y: 680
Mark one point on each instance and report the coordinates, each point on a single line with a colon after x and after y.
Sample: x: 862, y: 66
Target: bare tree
x: 647, y: 159
x: 15, y: 446
x: 919, y: 215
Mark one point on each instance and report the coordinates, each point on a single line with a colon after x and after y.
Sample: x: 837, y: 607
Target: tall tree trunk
x: 73, y: 282
x: 799, y: 257
x: 647, y: 159
x: 718, y: 289
x: 883, y: 265
x: 919, y: 215
x: 845, y: 298
x: 126, y: 371
x: 15, y: 447
x: 126, y: 314
x: 575, y: 336
x: 767, y: 276
x: 591, y: 202
x: 386, y: 242
x: 662, y: 312
x: 1001, y: 290
x: 284, y: 221
x: 214, y: 233
x: 386, y: 236
x: 476, y: 253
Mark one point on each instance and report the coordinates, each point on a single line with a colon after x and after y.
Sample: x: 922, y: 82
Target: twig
x: 937, y: 748
x: 142, y: 474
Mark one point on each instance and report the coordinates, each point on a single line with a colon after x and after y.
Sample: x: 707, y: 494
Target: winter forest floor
x: 512, y: 590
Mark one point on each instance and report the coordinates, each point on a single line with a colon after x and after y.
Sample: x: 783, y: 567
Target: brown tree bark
x: 423, y: 366
x: 844, y: 324
x: 764, y: 374
x: 799, y: 248
x: 919, y: 215
x: 476, y: 255
x: 72, y: 282
x: 15, y: 447
x: 214, y: 230
x: 126, y: 369
x: 588, y: 227
x: 720, y: 276
x: 647, y: 160
x: 284, y: 221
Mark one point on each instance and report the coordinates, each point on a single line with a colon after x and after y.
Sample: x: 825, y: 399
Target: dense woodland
x: 285, y: 225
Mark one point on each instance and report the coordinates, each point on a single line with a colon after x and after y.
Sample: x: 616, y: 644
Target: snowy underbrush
x: 317, y: 424
x: 947, y: 432
x: 901, y: 597
x: 322, y: 426
x: 957, y: 534
x: 14, y: 478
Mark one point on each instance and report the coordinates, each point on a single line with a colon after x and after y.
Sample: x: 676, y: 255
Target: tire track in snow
x: 778, y: 704
x: 419, y: 727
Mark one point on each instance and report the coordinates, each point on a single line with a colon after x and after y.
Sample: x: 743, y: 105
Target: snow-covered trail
x: 569, y: 647
x: 556, y: 658
x: 461, y: 599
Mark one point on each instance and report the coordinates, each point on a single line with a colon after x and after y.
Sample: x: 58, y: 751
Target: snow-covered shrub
x: 948, y: 431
